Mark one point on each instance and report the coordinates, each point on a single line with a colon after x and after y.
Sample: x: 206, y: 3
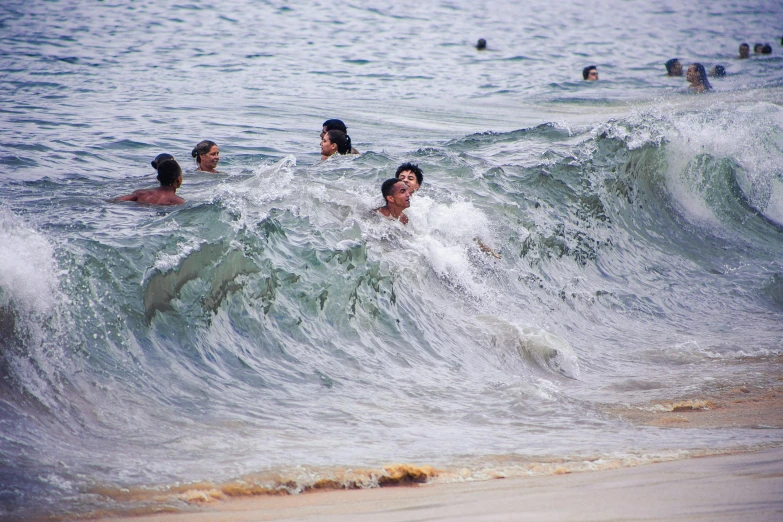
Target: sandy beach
x: 747, y: 486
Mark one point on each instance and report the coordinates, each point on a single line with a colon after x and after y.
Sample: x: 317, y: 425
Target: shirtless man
x: 397, y: 196
x: 170, y: 177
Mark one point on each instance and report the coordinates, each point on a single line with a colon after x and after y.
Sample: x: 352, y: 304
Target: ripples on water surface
x: 274, y: 327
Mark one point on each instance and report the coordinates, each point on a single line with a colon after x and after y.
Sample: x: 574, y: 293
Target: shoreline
x: 739, y: 486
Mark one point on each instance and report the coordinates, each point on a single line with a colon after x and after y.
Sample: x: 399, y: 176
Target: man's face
x: 409, y: 177
x: 592, y: 75
x: 676, y: 69
x: 744, y: 51
x: 323, y: 131
x: 400, y: 195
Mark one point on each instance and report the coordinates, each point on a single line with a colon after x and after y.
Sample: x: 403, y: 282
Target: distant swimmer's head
x: 396, y: 193
x: 169, y: 173
x: 744, y: 50
x: 718, y: 71
x: 766, y: 49
x: 673, y: 67
x: 159, y: 158
x: 758, y: 48
x: 697, y: 77
x: 411, y: 174
x: 335, y: 141
x: 481, y: 44
x: 333, y: 125
x: 207, y: 155
x: 590, y: 73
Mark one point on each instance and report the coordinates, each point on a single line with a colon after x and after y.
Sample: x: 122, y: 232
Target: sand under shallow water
x: 743, y: 486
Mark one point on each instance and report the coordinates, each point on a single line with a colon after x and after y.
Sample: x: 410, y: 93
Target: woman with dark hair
x: 336, y: 125
x: 207, y: 155
x: 170, y: 178
x: 335, y: 141
x: 697, y: 77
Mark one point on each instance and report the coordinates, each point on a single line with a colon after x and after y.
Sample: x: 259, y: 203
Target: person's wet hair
x: 718, y: 71
x: 670, y: 65
x: 387, y: 186
x: 168, y: 172
x: 335, y: 125
x: 159, y: 158
x: 757, y: 48
x: 766, y: 49
x: 586, y: 71
x: 744, y: 50
x: 481, y: 44
x: 702, y: 76
x: 413, y: 168
x: 202, y: 148
x: 341, y: 139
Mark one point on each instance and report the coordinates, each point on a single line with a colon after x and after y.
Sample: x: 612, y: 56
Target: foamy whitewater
x: 274, y: 333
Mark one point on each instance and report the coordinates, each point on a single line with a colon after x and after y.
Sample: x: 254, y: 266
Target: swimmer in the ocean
x: 411, y: 174
x: 397, y: 197
x: 170, y: 177
x: 334, y: 142
x: 207, y: 156
x: 673, y: 67
x: 590, y: 73
x: 744, y: 51
x: 336, y: 125
x: 481, y: 45
x: 159, y: 159
x: 697, y: 77
x: 718, y: 71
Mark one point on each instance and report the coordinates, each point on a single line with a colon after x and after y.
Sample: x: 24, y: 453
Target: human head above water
x: 766, y: 49
x: 481, y: 44
x: 757, y: 48
x: 207, y: 155
x: 159, y: 158
x: 744, y: 50
x: 411, y: 174
x: 169, y: 172
x: 590, y: 73
x: 333, y: 125
x: 718, y: 71
x: 673, y: 67
x: 335, y: 138
x: 697, y: 77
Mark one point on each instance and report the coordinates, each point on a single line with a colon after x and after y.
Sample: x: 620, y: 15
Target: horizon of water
x: 274, y: 333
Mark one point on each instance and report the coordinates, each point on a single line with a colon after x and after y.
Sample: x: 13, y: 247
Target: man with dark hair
x: 744, y: 51
x: 411, y: 174
x: 758, y: 48
x: 170, y: 177
x: 766, y: 49
x: 673, y: 67
x: 481, y: 45
x: 336, y: 125
x: 718, y: 71
x: 590, y: 73
x: 395, y: 194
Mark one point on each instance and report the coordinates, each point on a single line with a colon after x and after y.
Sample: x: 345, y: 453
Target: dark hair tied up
x: 342, y: 140
x: 202, y: 148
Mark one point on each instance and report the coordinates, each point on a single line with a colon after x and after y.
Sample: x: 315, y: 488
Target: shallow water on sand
x: 273, y: 327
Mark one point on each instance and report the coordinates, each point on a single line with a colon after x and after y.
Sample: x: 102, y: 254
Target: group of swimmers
x: 396, y: 191
x: 696, y: 74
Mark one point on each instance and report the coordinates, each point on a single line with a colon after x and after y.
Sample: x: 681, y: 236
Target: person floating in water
x: 159, y: 159
x: 697, y: 77
x: 336, y: 125
x: 411, y: 174
x: 334, y: 142
x: 481, y: 45
x: 590, y: 73
x: 170, y: 177
x: 718, y: 71
x: 766, y: 49
x: 744, y: 51
x: 758, y: 48
x: 397, y: 196
x: 673, y: 67
x: 207, y: 156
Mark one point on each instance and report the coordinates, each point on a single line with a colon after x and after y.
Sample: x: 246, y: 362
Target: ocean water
x: 273, y: 334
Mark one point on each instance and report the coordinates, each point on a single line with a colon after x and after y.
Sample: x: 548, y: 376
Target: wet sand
x: 747, y: 486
